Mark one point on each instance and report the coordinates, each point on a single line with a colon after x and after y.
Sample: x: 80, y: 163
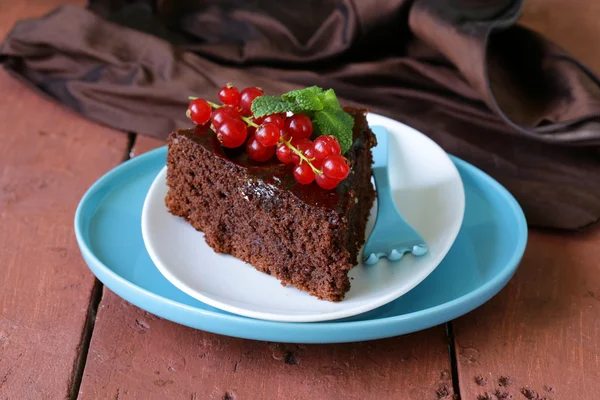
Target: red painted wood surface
x: 144, y: 144
x: 48, y: 158
x: 542, y: 332
x: 136, y: 355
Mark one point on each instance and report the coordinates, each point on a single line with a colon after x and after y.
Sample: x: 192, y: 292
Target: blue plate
x: 484, y: 257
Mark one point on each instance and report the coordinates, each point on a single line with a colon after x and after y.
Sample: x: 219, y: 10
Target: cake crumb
x: 504, y: 381
x: 228, y: 396
x: 443, y: 392
x: 480, y: 380
x: 529, y: 394
x: 289, y: 358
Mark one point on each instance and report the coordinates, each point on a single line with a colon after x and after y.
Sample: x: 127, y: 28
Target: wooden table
x: 63, y: 335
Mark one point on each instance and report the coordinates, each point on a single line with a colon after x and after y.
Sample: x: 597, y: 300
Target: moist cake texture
x: 303, y: 235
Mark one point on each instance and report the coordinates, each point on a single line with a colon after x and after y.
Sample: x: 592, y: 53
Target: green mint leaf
x: 335, y: 122
x: 307, y: 91
x: 322, y: 107
x: 329, y: 99
x: 306, y: 99
x: 267, y: 105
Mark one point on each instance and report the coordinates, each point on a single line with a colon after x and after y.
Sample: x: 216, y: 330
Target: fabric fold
x: 527, y: 81
x: 461, y: 71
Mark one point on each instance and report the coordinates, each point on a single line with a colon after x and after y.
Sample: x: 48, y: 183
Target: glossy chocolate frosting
x: 267, y: 178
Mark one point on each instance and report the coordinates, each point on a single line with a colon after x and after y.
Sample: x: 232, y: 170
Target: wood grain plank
x: 134, y: 354
x: 144, y: 144
x: 542, y: 332
x: 48, y: 158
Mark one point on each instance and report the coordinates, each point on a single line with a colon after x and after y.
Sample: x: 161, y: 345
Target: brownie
x: 303, y: 235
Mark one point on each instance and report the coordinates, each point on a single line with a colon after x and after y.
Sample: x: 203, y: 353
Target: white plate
x: 428, y: 192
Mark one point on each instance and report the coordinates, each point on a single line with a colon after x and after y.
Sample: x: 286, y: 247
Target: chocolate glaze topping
x: 267, y: 178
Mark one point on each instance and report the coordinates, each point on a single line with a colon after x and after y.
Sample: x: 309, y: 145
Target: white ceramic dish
x: 428, y: 192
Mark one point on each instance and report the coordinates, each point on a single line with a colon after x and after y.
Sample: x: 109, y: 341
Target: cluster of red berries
x: 287, y: 137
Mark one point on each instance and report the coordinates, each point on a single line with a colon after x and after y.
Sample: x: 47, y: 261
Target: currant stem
x: 300, y: 154
x: 249, y: 121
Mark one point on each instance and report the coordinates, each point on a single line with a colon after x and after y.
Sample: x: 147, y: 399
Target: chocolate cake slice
x: 303, y: 235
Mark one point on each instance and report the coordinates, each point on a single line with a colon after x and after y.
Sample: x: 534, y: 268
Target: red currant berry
x: 232, y: 133
x: 284, y: 154
x: 326, y: 182
x: 230, y: 95
x: 325, y: 146
x: 258, y: 121
x: 257, y: 152
x: 335, y: 167
x: 284, y: 135
x: 199, y: 111
x: 268, y: 134
x: 222, y: 114
x: 299, y: 126
x: 247, y: 97
x: 309, y: 152
x: 301, y: 144
x: 303, y: 173
x: 274, y: 119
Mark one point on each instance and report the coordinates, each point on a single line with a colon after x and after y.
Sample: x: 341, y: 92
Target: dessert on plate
x: 280, y: 182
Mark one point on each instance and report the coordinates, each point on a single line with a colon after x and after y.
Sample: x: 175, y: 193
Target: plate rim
x: 158, y: 258
x: 350, y: 330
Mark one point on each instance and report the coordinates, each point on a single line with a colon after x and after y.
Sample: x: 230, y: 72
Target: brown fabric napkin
x: 488, y: 91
